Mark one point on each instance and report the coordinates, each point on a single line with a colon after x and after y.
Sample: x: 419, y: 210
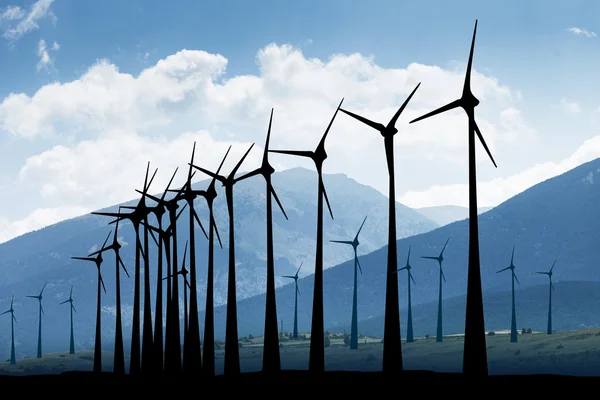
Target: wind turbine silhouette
x: 12, y: 331
x: 39, y: 297
x: 475, y: 353
x: 513, y: 323
x: 232, y: 351
x: 271, y: 356
x: 136, y: 217
x: 98, y: 340
x: 392, y: 347
x: 551, y: 289
x: 409, y: 325
x: 354, y: 329
x: 71, y: 309
x: 183, y: 272
x: 209, y: 316
x: 119, y: 355
x: 316, y: 361
x: 439, y: 259
x: 297, y: 292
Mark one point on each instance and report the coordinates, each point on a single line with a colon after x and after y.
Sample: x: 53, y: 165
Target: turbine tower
x: 98, y: 340
x: 439, y: 259
x: 354, y: 243
x: 71, y: 309
x: 475, y: 352
x: 392, y: 346
x: 12, y: 331
x: 316, y: 362
x: 297, y: 292
x: 551, y: 289
x: 409, y: 325
x: 271, y: 356
x: 39, y: 297
x: 513, y: 323
x: 119, y: 353
x: 232, y: 351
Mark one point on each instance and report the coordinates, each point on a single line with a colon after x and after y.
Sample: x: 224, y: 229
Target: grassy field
x: 567, y: 353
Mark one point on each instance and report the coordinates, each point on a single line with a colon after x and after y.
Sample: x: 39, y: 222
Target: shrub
x: 491, y: 333
x: 427, y: 336
x: 327, y: 341
x: 250, y: 337
x: 523, y: 331
x: 346, y: 340
x: 327, y: 333
x: 361, y: 336
x: 528, y: 330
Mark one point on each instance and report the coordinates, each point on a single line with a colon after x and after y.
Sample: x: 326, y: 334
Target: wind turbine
x: 232, y: 352
x: 136, y: 217
x: 183, y: 272
x: 513, y: 323
x: 409, y: 325
x: 119, y: 354
x: 71, y: 309
x: 98, y: 340
x: 439, y: 259
x: 12, y: 331
x: 271, y: 356
x: 209, y: 315
x: 316, y: 361
x: 297, y: 292
x: 39, y: 297
x: 551, y: 289
x: 354, y: 330
x: 475, y: 353
x: 392, y: 347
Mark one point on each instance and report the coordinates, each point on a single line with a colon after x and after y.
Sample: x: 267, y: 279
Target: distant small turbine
x: 72, y: 308
x: 354, y: 329
x: 409, y: 325
x: 439, y: 259
x: 513, y: 324
x: 12, y: 331
x: 39, y: 297
x: 297, y: 292
x: 549, y: 273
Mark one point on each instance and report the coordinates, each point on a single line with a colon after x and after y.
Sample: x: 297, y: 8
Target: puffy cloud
x: 570, y: 106
x: 26, y: 22
x: 43, y: 52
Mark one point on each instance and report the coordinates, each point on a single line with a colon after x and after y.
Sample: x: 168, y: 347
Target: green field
x: 567, y: 352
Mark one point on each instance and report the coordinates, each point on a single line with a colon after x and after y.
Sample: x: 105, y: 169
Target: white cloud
x: 43, y: 53
x: 496, y: 191
x: 570, y: 106
x: 38, y: 219
x: 186, y: 97
x: 582, y: 32
x: 27, y: 22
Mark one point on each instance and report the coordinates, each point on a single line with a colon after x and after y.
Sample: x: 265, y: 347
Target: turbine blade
x: 148, y: 195
x: 288, y: 276
x: 517, y: 279
x: 151, y: 179
x: 153, y: 237
x: 249, y: 174
x: 180, y: 211
x: 188, y: 284
x: 401, y: 269
x: 543, y: 273
x: 372, y: 124
x: 552, y: 267
x: 184, y: 254
x: 5, y: 312
x: 394, y: 119
x: 102, y: 282
x: 42, y: 308
x: 341, y: 241
x: 44, y: 287
x: 168, y: 186
x: 480, y: 136
x: 444, y: 248
x: 265, y: 159
x: 108, y: 214
x: 299, y: 270
x: 84, y: 258
x: 277, y: 200
x: 239, y: 164
x: 322, y: 141
x: 447, y: 107
x: 146, y: 178
x: 106, y: 240
x: 66, y: 301
x: 408, y: 257
x: 123, y: 266
x: 32, y: 297
x: 552, y: 285
x: 211, y: 174
x: 413, y: 279
x: 443, y: 275
x: 361, y: 226
x: 197, y: 218
x: 15, y: 318
x: 189, y: 180
x: 504, y: 269
x: 297, y: 289
x: 430, y: 257
x: 73, y: 307
x: 129, y: 207
x: 214, y: 224
x: 223, y: 160
x: 326, y: 199
x: 512, y: 257
x: 299, y: 153
x: 359, y: 266
x: 467, y: 85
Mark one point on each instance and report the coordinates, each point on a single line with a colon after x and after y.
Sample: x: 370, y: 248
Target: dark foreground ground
x: 305, y: 377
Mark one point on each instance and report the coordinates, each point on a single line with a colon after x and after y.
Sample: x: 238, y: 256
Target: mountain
x: 574, y: 306
x: 45, y: 255
x: 555, y: 218
x: 444, y: 215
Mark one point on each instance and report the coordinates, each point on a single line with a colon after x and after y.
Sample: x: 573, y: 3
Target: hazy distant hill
x: 575, y: 305
x: 555, y: 218
x: 445, y: 215
x: 45, y: 255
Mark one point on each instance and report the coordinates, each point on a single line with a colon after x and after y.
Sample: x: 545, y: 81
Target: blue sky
x: 544, y: 53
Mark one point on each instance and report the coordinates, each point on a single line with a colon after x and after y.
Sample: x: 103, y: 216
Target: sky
x: 91, y: 91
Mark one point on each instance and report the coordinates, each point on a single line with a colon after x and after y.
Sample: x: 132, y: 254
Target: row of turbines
x: 148, y: 356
